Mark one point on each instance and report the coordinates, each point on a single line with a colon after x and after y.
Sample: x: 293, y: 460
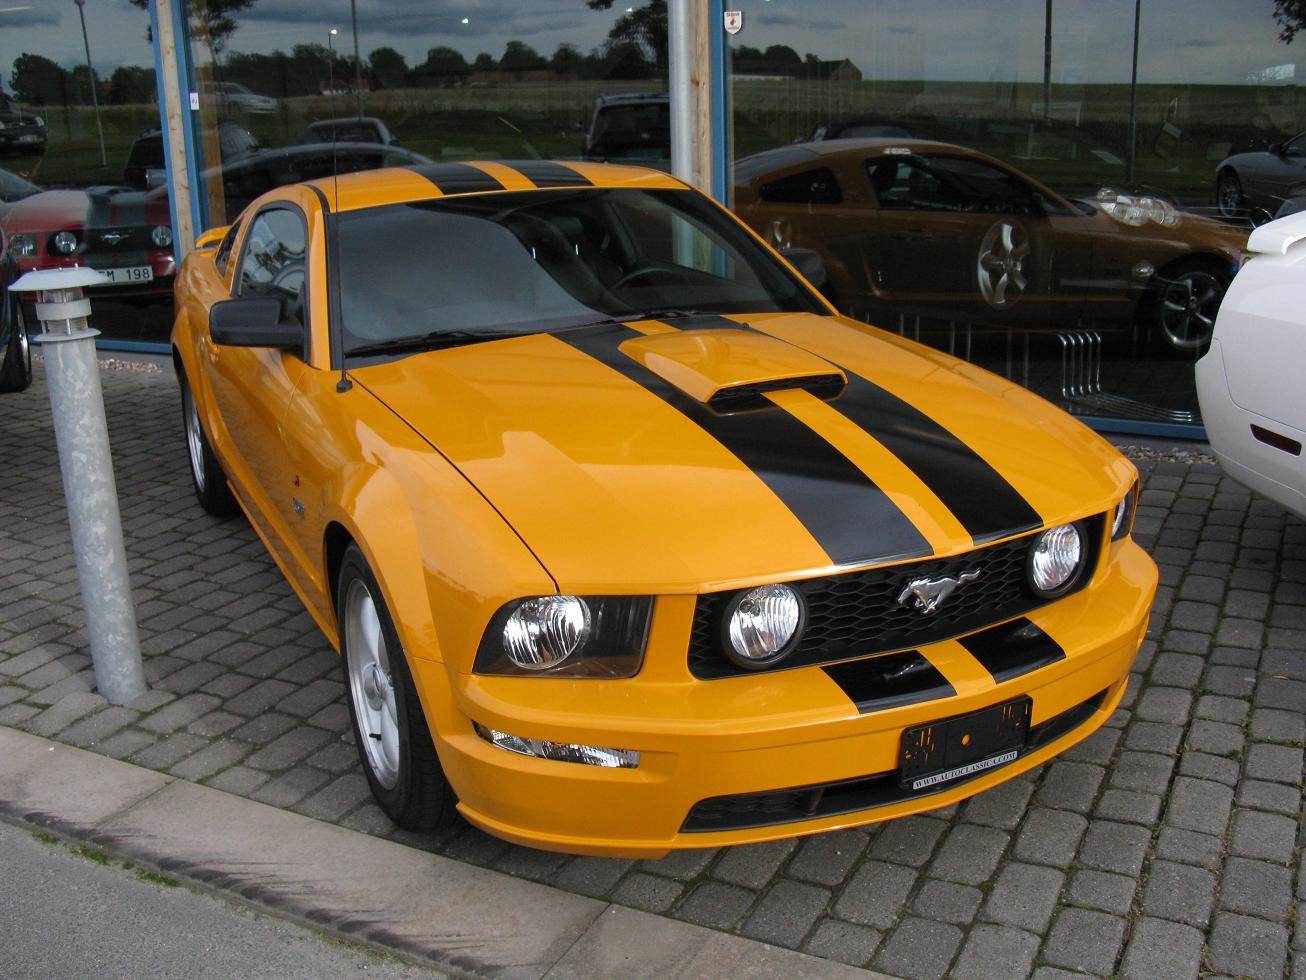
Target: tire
x: 206, y: 474
x: 1229, y: 195
x: 16, y: 371
x: 1188, y: 297
x: 394, y: 740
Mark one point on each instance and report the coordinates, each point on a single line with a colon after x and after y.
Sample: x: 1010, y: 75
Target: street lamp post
x: 331, y: 60
x: 95, y: 99
x: 358, y: 62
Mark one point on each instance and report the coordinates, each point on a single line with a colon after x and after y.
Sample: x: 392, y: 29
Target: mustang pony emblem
x: 929, y: 593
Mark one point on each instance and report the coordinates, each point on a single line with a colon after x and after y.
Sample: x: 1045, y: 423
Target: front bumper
x: 742, y: 736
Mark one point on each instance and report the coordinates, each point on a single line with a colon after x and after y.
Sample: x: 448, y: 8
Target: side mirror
x: 809, y: 265
x: 253, y: 323
x: 1276, y: 149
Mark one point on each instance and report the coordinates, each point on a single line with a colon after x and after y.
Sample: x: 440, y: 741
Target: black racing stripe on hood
x: 848, y: 515
x: 987, y: 506
x: 546, y: 173
x: 457, y: 178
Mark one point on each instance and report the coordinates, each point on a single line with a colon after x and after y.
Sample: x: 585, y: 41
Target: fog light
x: 161, y: 236
x: 65, y: 243
x: 761, y: 625
x: 1055, y: 559
x: 589, y: 755
x: 22, y: 244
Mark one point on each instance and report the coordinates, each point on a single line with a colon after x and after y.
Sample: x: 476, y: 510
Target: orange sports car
x: 627, y: 540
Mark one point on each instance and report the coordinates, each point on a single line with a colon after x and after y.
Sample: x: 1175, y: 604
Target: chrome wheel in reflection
x: 1001, y: 270
x: 1189, y: 302
x: 370, y: 684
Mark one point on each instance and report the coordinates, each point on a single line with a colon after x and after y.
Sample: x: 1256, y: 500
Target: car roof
x: 398, y: 185
x: 769, y: 161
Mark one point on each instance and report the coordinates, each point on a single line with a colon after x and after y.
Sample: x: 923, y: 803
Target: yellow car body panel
x: 537, y: 464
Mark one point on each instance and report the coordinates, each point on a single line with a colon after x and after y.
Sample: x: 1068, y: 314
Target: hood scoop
x: 734, y: 370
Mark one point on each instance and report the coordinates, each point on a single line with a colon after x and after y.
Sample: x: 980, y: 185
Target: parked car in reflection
x: 1256, y: 185
x: 234, y: 97
x: 353, y: 129
x: 630, y: 129
x: 123, y: 233
x: 15, y: 346
x: 20, y: 131
x: 916, y: 226
x: 145, y: 164
x: 14, y: 187
x: 1250, y: 383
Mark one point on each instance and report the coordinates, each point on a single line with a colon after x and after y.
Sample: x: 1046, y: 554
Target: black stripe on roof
x: 841, y: 507
x: 457, y: 178
x: 546, y: 173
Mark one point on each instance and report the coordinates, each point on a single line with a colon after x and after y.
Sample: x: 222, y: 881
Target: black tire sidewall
x: 215, y: 496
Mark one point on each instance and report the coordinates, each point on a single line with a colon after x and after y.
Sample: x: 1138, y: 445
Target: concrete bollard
x: 77, y: 406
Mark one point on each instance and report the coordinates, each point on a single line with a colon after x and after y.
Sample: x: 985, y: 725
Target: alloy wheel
x: 1000, y: 270
x: 370, y: 684
x: 1188, y: 307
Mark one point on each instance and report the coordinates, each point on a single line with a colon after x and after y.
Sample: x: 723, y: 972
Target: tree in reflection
x: 645, y: 27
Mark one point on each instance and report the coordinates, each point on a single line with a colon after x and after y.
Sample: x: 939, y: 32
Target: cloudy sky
x: 1194, y: 41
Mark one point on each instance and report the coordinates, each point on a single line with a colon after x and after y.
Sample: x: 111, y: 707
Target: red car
x: 125, y: 234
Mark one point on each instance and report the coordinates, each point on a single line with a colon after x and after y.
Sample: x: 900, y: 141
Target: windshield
x: 539, y: 260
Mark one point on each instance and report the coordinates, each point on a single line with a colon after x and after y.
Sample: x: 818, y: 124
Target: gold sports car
x: 628, y: 541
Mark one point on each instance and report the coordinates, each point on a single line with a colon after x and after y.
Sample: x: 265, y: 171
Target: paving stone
x: 312, y: 698
x: 523, y: 862
x: 1151, y: 736
x: 151, y: 699
x: 1247, y: 947
x: 1280, y: 692
x: 1240, y: 633
x: 290, y: 787
x: 1085, y: 940
x: 1102, y: 890
x: 946, y: 901
x: 259, y: 698
x: 969, y: 854
x: 844, y: 942
x: 189, y: 679
x: 214, y: 724
x: 288, y: 749
x: 1218, y: 708
x: 716, y: 905
x: 1179, y: 892
x: 1216, y: 737
x: 827, y: 859
x: 1050, y: 837
x: 786, y: 914
x: 1146, y: 772
x: 1118, y: 847
x: 63, y: 713
x: 1158, y: 948
x: 1216, y: 768
x: 1127, y: 806
x: 1070, y: 786
x: 1268, y: 836
x: 1098, y: 748
x: 1291, y: 662
x: 264, y: 729
x: 1167, y: 705
x: 1004, y: 805
x: 1256, y: 888
x: 753, y: 865
x: 1233, y: 682
x: 1199, y: 805
x: 99, y: 726
x: 164, y: 754
x: 875, y: 894
x: 1277, y: 797
x: 1272, y: 724
x: 592, y: 876
x: 211, y: 759
x: 123, y: 745
x: 995, y: 951
x: 648, y: 892
x: 1188, y: 847
x: 179, y: 713
x: 1023, y: 896
x: 919, y: 950
x: 1199, y: 617
x: 909, y: 840
x: 1277, y: 763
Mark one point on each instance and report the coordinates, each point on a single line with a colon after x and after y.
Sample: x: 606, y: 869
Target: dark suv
x: 20, y: 131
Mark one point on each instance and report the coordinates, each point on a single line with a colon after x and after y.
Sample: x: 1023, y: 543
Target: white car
x: 1252, y: 382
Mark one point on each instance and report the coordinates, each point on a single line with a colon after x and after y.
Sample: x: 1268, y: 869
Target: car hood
x: 98, y: 207
x: 720, y: 450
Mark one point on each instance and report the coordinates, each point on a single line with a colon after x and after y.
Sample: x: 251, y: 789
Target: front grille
x: 858, y: 614
x: 850, y: 795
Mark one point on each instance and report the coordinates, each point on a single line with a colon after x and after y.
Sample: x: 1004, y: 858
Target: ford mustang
x: 628, y: 541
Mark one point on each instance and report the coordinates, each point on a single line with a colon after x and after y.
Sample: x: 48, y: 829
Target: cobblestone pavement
x: 1168, y: 844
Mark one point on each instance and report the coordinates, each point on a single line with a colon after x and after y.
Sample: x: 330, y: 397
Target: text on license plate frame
x: 941, y: 751
x: 129, y: 275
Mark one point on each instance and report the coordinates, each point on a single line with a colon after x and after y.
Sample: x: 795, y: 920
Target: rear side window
x: 818, y: 186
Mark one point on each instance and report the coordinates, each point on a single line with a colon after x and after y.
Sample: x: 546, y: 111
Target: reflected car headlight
x: 64, y: 242
x: 40, y: 120
x: 161, y: 236
x: 1137, y: 210
x: 22, y: 244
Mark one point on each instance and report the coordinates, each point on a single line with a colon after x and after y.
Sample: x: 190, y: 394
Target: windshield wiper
x: 435, y: 340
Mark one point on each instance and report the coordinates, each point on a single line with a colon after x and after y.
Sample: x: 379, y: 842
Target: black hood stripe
x: 546, y: 173
x: 848, y: 515
x: 1011, y: 649
x: 457, y: 178
x: 987, y: 506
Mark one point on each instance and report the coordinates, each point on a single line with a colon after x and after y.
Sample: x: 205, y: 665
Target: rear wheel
x: 1186, y: 305
x: 1229, y: 195
x: 16, y: 370
x: 394, y: 741
x: 210, y: 482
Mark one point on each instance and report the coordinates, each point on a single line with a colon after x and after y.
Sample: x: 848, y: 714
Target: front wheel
x: 394, y: 741
x: 16, y: 369
x: 206, y: 474
x: 1189, y: 298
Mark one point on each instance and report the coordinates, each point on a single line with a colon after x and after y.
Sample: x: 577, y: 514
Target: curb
x: 431, y: 909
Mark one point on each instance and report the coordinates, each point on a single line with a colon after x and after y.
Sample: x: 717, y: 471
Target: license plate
x: 942, y: 751
x: 129, y: 274
x: 29, y: 138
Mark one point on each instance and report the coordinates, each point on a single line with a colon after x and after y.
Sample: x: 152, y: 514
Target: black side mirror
x: 1276, y: 149
x: 253, y: 323
x: 809, y: 265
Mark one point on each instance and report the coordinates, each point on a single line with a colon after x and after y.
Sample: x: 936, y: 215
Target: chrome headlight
x: 1123, y: 518
x: 567, y: 635
x: 1056, y: 559
x: 64, y: 242
x: 22, y: 244
x: 161, y: 236
x: 762, y: 625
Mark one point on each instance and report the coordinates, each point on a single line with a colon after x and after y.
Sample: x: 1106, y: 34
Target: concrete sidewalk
x: 1166, y: 844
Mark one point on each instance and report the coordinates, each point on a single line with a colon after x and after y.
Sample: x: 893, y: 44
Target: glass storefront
x: 1011, y: 182
x: 68, y: 139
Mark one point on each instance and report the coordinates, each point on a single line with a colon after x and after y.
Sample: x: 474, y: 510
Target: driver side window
x: 274, y: 265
